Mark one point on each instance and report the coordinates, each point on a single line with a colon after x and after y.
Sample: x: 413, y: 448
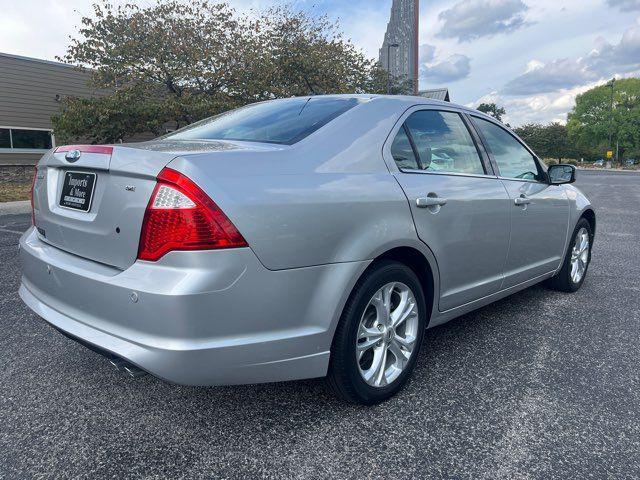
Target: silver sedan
x: 297, y: 238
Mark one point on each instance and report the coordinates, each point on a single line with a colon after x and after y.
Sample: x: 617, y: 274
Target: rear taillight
x: 180, y: 216
x: 104, y: 149
x: 33, y: 186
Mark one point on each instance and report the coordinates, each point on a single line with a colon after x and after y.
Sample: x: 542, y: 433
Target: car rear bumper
x: 196, y: 318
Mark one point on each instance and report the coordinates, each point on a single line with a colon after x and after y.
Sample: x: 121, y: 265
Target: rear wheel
x: 376, y: 344
x: 576, y: 262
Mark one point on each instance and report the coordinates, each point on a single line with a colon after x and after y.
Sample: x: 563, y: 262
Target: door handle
x: 522, y: 201
x: 424, y: 202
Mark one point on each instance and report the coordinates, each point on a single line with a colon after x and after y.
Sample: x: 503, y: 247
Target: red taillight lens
x: 33, y: 186
x: 104, y: 149
x: 180, y: 216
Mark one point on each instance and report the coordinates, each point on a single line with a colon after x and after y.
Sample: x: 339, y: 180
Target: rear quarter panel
x: 296, y: 221
x: 329, y: 198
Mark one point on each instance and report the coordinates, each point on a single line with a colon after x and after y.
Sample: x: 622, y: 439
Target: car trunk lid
x: 112, y: 183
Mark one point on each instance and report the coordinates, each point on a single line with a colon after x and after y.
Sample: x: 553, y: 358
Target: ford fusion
x: 297, y: 238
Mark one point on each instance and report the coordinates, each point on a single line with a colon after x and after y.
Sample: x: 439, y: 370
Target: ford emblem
x: 72, y: 156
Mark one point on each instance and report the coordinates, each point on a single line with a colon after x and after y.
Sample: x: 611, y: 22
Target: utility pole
x: 416, y: 48
x: 389, y: 46
x: 612, y: 84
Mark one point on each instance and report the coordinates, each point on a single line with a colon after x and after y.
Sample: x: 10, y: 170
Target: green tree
x: 548, y: 141
x: 533, y: 135
x: 292, y: 54
x: 493, y: 110
x: 172, y: 63
x: 592, y: 121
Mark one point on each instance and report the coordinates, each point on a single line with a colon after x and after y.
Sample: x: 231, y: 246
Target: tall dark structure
x: 399, y: 51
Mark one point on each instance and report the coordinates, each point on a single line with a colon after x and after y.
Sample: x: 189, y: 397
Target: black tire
x: 562, y: 281
x: 344, y: 377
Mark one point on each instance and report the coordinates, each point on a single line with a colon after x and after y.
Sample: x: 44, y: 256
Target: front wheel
x: 376, y: 344
x: 576, y: 262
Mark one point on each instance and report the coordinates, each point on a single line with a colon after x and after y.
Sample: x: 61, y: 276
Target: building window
x: 5, y: 138
x: 25, y: 139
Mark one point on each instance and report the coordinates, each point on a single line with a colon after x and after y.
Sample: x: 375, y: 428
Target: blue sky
x: 532, y: 56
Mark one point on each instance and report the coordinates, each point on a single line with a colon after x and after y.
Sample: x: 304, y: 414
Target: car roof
x: 403, y: 100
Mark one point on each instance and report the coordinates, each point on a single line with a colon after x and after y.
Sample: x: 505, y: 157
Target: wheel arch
x: 418, y: 263
x: 420, y: 260
x: 590, y: 215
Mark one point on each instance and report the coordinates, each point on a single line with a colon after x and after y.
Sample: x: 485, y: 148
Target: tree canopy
x: 493, y: 110
x: 548, y: 141
x: 593, y: 120
x: 608, y: 111
x: 175, y: 63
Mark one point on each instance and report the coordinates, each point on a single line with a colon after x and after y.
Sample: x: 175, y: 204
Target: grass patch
x: 11, y: 192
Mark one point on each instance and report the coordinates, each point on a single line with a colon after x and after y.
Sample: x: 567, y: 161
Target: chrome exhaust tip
x: 128, y: 368
x: 134, y: 371
x: 118, y: 362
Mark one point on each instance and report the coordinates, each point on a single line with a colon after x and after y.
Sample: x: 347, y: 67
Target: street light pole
x: 389, y: 46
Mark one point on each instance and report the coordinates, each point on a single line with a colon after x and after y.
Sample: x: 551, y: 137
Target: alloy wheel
x: 387, y: 334
x: 580, y: 255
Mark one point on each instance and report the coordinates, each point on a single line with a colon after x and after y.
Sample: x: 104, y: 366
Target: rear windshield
x: 284, y: 121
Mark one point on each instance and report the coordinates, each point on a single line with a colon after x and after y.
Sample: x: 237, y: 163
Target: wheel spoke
x: 367, y: 338
x: 401, y: 356
x: 382, y: 307
x: 373, y: 374
x: 367, y: 344
x: 377, y: 301
x: 407, y: 342
x: 387, y: 291
x: 584, y: 242
x: 405, y: 309
x: 574, y: 270
x: 381, y: 367
x: 366, y: 332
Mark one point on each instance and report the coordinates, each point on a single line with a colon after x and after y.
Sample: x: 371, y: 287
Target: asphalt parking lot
x: 539, y: 385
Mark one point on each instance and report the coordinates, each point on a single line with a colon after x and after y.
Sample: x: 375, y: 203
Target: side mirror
x: 559, y: 174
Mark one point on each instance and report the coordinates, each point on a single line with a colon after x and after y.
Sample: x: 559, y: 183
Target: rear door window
x: 402, y: 151
x: 442, y: 143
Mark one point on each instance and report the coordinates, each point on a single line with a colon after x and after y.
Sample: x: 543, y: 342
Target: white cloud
x: 40, y: 29
x: 549, y: 77
x: 625, y: 5
x: 453, y: 68
x: 427, y: 53
x: 533, y: 65
x: 605, y: 60
x: 471, y: 19
x: 541, y: 108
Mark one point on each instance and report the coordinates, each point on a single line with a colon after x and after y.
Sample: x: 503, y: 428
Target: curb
x: 15, y: 208
x: 606, y: 170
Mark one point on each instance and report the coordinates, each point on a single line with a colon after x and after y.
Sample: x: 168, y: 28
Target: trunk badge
x: 72, y: 156
x: 130, y: 188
